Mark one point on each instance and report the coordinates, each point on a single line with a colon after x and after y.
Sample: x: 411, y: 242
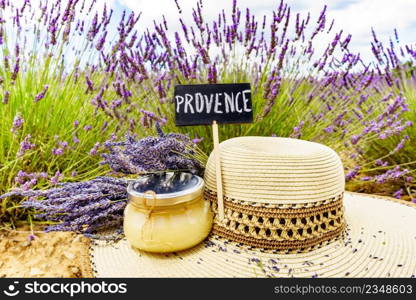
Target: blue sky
x: 353, y: 16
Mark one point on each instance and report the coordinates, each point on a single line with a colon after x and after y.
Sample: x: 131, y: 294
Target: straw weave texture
x: 284, y: 230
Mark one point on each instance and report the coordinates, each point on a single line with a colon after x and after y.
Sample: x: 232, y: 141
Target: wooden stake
x: 217, y: 153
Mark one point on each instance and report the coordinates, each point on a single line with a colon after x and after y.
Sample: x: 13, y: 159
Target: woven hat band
x: 282, y: 229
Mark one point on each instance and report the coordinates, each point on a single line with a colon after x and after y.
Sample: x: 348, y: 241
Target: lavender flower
x: 20, y: 177
x: 29, y: 184
x: 15, y: 69
x: 197, y: 140
x: 101, y: 41
x: 398, y: 194
x: 94, y: 150
x: 27, y: 180
x: 379, y: 162
x: 62, y: 146
x: 355, y: 139
x: 42, y: 94
x: 329, y: 129
x: 400, y: 145
x: 392, y: 175
x: 148, y: 118
x: 57, y: 151
x: 17, y: 123
x: 165, y: 152
x: 54, y: 180
x: 75, y: 139
x: 296, y: 133
x: 85, y: 207
x: 6, y: 97
x: 353, y: 173
x: 409, y: 179
x: 25, y: 145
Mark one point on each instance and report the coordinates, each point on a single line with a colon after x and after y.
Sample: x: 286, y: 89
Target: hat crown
x: 277, y: 171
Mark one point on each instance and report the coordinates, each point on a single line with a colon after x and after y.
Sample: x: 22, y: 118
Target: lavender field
x: 75, y: 79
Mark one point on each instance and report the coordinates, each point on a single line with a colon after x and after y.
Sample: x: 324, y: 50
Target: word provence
x: 218, y: 102
x: 205, y: 103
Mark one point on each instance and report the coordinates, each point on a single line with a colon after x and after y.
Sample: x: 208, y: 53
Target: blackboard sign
x: 201, y: 104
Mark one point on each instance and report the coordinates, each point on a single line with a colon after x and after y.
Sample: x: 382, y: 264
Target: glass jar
x: 167, y: 212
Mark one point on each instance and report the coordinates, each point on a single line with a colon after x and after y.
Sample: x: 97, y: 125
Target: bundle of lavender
x: 81, y: 206
x: 92, y: 206
x: 164, y: 152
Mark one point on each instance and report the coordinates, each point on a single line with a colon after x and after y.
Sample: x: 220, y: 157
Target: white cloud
x: 383, y: 15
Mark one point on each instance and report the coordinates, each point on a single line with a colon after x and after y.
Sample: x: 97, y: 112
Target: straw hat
x: 279, y: 193
x: 284, y: 216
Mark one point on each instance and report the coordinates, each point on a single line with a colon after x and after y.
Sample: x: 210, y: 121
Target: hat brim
x: 380, y: 241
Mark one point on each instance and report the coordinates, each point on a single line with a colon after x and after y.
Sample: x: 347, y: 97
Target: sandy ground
x: 55, y: 254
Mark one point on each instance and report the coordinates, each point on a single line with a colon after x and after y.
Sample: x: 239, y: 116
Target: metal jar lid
x: 164, y: 189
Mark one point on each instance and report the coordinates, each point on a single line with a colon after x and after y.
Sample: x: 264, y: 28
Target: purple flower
x: 149, y: 117
x: 297, y: 130
x: 62, y: 145
x: 43, y: 175
x: 379, y: 162
x: 197, y: 140
x: 57, y: 151
x: 101, y: 41
x: 84, y: 207
x: 165, y: 152
x: 116, y: 103
x: 16, y: 69
x: 382, y: 136
x: 6, y: 97
x: 21, y: 177
x: 6, y: 62
x: 353, y: 173
x: 27, y: 181
x: 212, y: 74
x: 17, y: 123
x: 409, y: 179
x: 400, y: 145
x: 94, y: 150
x: 54, y: 180
x: 394, y: 175
x: 87, y: 127
x: 25, y: 145
x: 398, y: 194
x: 329, y: 129
x: 355, y: 139
x: 42, y: 94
